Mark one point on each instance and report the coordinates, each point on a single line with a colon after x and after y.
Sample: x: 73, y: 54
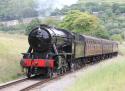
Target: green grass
x: 11, y: 47
x: 105, y: 76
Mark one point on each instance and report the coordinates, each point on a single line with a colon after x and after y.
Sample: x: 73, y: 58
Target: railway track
x: 45, y: 81
x: 18, y: 85
x: 12, y: 83
x: 26, y: 84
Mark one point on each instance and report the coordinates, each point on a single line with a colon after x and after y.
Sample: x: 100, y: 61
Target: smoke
x: 45, y: 7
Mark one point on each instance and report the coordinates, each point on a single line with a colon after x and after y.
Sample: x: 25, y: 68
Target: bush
x: 102, y: 34
x: 32, y: 25
x: 117, y: 37
x: 51, y: 21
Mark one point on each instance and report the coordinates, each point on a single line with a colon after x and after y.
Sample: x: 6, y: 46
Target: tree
x: 123, y: 35
x: 102, y: 34
x: 117, y: 37
x: 51, y: 21
x: 17, y: 9
x: 84, y: 23
x: 69, y: 19
x: 115, y: 6
x: 32, y: 25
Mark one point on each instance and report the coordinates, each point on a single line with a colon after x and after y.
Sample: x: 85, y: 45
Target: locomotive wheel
x: 28, y: 72
x: 60, y: 71
x: 49, y: 73
x: 73, y: 67
x: 64, y: 68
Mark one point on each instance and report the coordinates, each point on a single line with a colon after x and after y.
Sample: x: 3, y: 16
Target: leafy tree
x: 51, y: 21
x: 115, y: 7
x: 17, y: 9
x: 32, y: 25
x: 123, y: 35
x: 102, y: 34
x: 110, y: 14
x: 69, y: 19
x: 3, y: 28
x: 117, y: 37
x: 84, y: 23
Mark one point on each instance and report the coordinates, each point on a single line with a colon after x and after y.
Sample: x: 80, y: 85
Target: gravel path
x: 60, y: 84
x: 64, y: 82
x: 68, y: 80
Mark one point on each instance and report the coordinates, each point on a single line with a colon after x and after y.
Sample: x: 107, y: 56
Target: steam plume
x: 45, y: 7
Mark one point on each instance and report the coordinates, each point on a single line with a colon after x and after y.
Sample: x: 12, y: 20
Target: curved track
x: 26, y: 84
x: 18, y: 85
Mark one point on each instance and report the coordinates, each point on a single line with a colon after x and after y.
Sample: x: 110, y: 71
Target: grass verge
x: 11, y: 47
x: 105, y: 76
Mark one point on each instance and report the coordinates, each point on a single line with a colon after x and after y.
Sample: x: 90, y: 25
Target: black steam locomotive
x: 54, y: 50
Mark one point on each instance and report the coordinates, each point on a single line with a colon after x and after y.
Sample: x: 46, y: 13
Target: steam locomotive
x: 54, y: 50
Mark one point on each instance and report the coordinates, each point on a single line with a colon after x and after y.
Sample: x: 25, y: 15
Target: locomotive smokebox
x: 40, y: 39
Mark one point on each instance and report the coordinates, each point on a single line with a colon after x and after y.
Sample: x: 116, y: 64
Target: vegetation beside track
x: 122, y: 49
x: 11, y: 47
x: 105, y: 76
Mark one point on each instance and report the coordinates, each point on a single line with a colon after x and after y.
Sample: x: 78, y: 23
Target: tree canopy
x: 84, y: 23
x: 32, y: 25
x: 117, y: 37
x: 17, y: 9
x: 112, y: 15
